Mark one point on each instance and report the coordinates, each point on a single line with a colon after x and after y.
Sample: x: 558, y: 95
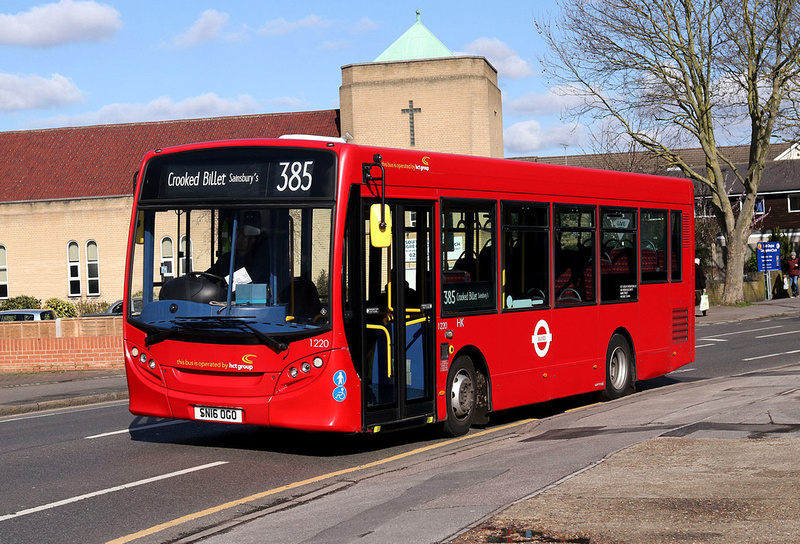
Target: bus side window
x: 526, y: 256
x: 618, y: 255
x: 574, y: 249
x: 653, y: 244
x: 676, y: 245
x: 469, y: 259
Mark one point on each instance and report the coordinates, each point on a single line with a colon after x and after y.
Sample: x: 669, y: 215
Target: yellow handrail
x: 388, y: 347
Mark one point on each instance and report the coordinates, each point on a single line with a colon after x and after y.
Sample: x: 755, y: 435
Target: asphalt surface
x: 722, y: 484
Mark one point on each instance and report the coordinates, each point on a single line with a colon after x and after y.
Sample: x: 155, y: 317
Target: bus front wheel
x: 619, y: 369
x: 462, y: 397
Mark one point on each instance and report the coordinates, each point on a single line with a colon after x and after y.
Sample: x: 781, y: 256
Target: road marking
x: 704, y: 346
x: 232, y: 504
x: 740, y: 332
x: 109, y: 490
x: 777, y: 334
x: 772, y: 355
x: 135, y: 429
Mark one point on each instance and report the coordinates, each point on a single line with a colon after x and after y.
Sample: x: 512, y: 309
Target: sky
x: 78, y: 63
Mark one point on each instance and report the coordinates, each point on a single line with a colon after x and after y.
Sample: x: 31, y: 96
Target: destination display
x: 267, y: 173
x: 460, y: 297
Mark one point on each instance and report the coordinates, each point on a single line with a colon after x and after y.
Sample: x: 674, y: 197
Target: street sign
x: 768, y: 256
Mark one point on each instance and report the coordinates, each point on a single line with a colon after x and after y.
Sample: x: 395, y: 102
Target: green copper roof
x: 417, y: 43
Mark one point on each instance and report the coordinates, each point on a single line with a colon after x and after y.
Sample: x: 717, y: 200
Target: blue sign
x: 339, y: 394
x: 768, y: 256
x: 340, y: 377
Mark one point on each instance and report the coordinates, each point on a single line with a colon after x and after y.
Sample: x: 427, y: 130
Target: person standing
x: 793, y: 264
x: 701, y: 297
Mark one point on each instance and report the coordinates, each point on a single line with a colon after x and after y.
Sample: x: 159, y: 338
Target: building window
x: 3, y: 273
x: 92, y: 269
x: 185, y: 255
x: 74, y: 268
x: 167, y: 259
x: 794, y: 203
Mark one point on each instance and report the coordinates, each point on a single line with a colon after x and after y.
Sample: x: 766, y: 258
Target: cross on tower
x: 411, y: 110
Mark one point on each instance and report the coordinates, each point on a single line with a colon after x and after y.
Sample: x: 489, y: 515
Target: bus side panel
x: 521, y: 373
x: 652, y: 347
x: 577, y: 351
x: 471, y: 334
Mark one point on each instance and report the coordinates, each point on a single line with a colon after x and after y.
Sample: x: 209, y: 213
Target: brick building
x: 66, y: 193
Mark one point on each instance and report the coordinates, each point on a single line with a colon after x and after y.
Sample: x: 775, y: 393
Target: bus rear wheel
x: 462, y: 397
x: 619, y: 369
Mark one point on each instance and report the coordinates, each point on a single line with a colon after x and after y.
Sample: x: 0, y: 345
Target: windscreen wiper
x: 268, y: 340
x: 160, y: 336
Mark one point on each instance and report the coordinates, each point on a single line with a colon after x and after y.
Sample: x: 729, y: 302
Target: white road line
x: 109, y: 490
x: 740, y: 332
x: 704, y: 346
x: 772, y: 355
x: 135, y: 429
x: 778, y: 334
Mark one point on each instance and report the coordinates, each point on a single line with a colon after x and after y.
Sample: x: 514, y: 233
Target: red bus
x: 320, y: 285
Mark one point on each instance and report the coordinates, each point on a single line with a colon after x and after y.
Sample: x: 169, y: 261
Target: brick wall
x: 458, y: 97
x: 64, y: 344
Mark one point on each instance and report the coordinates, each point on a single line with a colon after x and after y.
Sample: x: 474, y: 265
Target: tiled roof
x: 99, y: 161
x: 738, y: 154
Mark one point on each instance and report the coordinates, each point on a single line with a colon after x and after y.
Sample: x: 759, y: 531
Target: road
x: 98, y: 474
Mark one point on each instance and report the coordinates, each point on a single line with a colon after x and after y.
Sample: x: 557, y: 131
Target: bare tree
x: 676, y: 73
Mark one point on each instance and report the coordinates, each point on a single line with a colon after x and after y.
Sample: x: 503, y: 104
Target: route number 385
x: 296, y: 176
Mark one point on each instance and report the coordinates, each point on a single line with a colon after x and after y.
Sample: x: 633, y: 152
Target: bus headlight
x: 293, y: 372
x: 306, y: 368
x: 317, y: 362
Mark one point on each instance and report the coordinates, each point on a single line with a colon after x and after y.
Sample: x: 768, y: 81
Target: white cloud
x: 281, y: 27
x: 530, y: 137
x: 508, y: 63
x: 160, y: 109
x: 34, y: 92
x: 206, y: 29
x: 364, y: 26
x: 285, y: 103
x: 555, y: 100
x: 67, y: 21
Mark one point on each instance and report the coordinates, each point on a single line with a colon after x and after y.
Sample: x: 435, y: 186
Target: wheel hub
x: 462, y: 395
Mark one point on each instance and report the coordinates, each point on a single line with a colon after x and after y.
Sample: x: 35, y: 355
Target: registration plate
x: 216, y: 413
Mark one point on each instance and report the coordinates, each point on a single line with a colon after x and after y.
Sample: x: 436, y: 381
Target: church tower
x: 418, y: 95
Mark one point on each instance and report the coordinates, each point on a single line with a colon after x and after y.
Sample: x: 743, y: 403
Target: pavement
x: 745, y: 489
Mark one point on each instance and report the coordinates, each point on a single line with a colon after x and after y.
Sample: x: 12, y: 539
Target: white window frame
x: 89, y: 277
x: 789, y: 202
x: 4, y: 272
x: 73, y: 270
x: 167, y: 260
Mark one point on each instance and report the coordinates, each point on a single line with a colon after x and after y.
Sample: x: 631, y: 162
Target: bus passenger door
x: 398, y: 326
